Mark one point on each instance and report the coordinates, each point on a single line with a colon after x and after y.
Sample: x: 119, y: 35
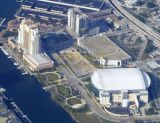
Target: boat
x: 9, y: 57
x: 4, y: 51
x: 2, y: 90
x: 15, y: 63
x: 24, y: 73
x: 19, y: 0
x: 20, y: 67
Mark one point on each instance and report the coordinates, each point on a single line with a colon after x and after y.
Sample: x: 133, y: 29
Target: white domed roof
x: 120, y: 79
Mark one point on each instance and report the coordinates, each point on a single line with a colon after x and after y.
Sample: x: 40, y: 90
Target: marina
x: 16, y: 62
x: 13, y: 106
x: 4, y: 51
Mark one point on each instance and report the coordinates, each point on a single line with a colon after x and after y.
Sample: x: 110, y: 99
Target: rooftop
x: 42, y: 6
x: 153, y: 65
x: 57, y: 8
x: 103, y: 46
x: 39, y: 59
x: 120, y: 79
x: 24, y: 13
x: 27, y: 3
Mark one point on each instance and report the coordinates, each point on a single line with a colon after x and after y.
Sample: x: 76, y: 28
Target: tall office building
x: 29, y: 38
x: 77, y: 20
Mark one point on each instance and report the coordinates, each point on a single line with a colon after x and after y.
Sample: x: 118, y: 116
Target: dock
x: 2, y: 21
x: 13, y: 106
x: 7, y: 51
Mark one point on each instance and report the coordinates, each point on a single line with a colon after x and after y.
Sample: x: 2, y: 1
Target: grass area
x: 51, y: 76
x: 74, y: 101
x: 41, y: 79
x: 64, y: 90
x: 91, y: 59
x: 82, y: 116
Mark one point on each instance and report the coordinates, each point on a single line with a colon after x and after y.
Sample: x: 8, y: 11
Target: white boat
x: 24, y: 72
x: 2, y: 90
x: 15, y: 63
x: 5, y: 52
x: 9, y: 57
x: 20, y: 67
x: 19, y: 0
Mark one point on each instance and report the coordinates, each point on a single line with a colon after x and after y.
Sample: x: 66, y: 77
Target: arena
x: 122, y: 86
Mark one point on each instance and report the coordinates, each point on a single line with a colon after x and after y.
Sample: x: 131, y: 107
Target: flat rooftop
x: 25, y: 13
x: 27, y: 3
x: 42, y: 6
x: 153, y: 64
x: 57, y: 8
x: 103, y: 46
x: 39, y: 59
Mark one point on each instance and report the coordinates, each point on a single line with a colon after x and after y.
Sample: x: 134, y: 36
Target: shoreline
x: 42, y: 84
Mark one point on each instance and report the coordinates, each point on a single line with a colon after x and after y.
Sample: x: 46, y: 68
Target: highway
x: 135, y: 23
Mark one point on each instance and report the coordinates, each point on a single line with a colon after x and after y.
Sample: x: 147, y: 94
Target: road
x: 135, y: 23
x: 142, y: 50
x: 90, y: 100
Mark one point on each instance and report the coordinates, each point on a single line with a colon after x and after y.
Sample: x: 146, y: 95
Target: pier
x: 2, y: 21
x: 13, y: 106
x: 7, y: 51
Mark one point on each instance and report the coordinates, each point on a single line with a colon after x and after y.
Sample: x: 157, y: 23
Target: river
x: 25, y: 90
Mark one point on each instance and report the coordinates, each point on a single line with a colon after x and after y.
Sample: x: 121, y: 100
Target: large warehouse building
x: 121, y: 85
x: 102, y: 47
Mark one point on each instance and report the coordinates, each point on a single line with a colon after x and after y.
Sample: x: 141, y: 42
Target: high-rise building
x: 29, y: 38
x: 77, y: 20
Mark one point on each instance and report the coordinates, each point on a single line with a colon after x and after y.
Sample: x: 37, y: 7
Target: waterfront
x: 29, y: 95
x: 25, y: 90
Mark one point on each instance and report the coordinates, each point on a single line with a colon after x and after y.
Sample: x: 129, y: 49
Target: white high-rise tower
x: 29, y: 38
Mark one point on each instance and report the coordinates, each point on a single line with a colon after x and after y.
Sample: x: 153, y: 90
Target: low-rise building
x: 38, y: 62
x: 153, y: 66
x: 57, y: 9
x: 41, y: 7
x: 102, y: 47
x: 27, y: 5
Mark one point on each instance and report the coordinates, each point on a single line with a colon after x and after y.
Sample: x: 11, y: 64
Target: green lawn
x: 64, y: 90
x: 51, y: 76
x: 74, y: 101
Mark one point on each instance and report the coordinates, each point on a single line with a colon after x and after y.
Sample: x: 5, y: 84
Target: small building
x: 41, y: 7
x: 122, y: 86
x: 57, y: 9
x: 131, y: 2
x: 27, y: 5
x: 120, y: 24
x: 38, y: 62
x: 102, y: 47
x: 12, y: 42
x: 153, y: 66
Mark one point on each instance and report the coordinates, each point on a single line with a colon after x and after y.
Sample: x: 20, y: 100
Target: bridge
x: 135, y: 23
